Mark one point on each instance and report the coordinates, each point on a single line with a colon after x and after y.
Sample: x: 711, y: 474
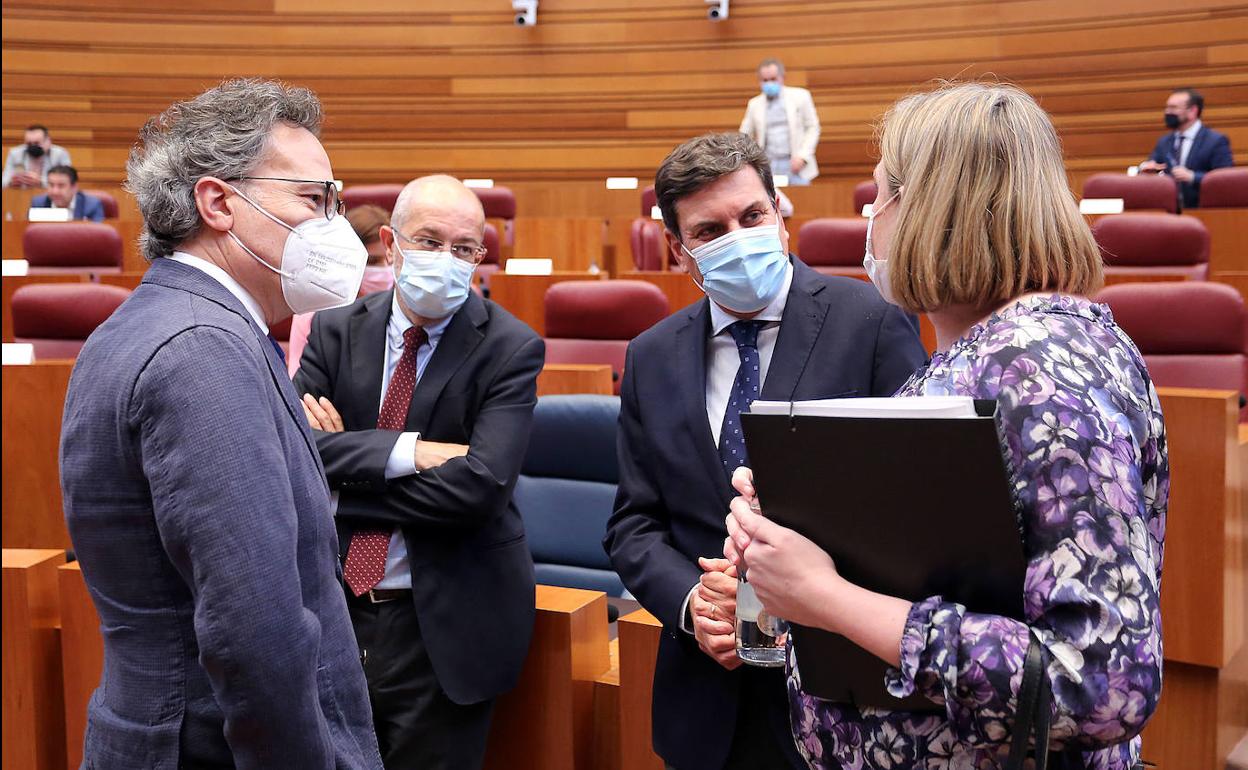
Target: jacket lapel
x: 691, y: 364
x: 367, y: 352
x: 1197, y: 141
x: 805, y: 311
x: 462, y: 336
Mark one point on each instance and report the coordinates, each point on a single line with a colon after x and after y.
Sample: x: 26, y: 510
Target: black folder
x: 910, y: 507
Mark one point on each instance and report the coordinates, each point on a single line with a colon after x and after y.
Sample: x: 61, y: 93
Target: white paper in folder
x: 912, y: 407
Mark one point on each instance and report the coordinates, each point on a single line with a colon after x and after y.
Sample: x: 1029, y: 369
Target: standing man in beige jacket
x: 782, y: 119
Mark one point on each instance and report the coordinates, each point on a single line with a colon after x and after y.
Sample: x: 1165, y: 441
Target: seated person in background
x: 63, y: 193
x: 29, y: 163
x: 783, y: 121
x: 367, y: 222
x: 1191, y: 148
x: 770, y: 327
x: 1083, y: 434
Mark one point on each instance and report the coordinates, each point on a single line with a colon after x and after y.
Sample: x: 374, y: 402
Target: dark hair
x: 68, y: 171
x: 700, y: 161
x: 779, y: 65
x: 37, y: 127
x: 1194, y: 99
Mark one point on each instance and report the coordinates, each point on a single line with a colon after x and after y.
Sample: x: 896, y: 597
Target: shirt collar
x: 721, y: 319
x: 225, y: 279
x: 399, y: 323
x: 1192, y: 130
x: 72, y: 202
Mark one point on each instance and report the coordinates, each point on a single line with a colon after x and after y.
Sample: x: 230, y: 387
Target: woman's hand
x: 793, y: 577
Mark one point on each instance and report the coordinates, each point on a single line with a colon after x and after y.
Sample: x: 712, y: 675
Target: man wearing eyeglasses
x: 421, y: 400
x: 193, y: 490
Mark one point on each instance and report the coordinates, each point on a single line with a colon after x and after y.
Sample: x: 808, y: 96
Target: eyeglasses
x: 471, y: 253
x: 332, y: 202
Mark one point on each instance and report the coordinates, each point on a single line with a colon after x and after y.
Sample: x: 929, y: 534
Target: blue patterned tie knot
x: 744, y: 392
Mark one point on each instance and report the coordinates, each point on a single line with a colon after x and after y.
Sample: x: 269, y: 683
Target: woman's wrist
x: 829, y: 601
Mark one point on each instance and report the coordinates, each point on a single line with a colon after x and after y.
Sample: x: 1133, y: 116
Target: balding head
x: 438, y: 196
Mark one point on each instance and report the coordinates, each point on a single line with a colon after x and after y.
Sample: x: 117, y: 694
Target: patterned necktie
x: 366, y: 555
x: 744, y: 391
x: 1178, y: 149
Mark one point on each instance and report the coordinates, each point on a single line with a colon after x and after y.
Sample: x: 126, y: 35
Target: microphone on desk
x: 613, y: 613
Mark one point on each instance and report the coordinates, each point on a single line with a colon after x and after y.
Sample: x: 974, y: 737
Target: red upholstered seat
x: 498, y: 202
x: 493, y: 260
x: 865, y: 193
x: 1143, y: 191
x: 648, y: 201
x: 111, y: 210
x: 1224, y: 188
x: 72, y: 246
x: 1139, y: 243
x: 1193, y: 334
x: 383, y: 195
x: 57, y: 318
x: 649, y: 249
x: 592, y: 322
x: 834, y: 246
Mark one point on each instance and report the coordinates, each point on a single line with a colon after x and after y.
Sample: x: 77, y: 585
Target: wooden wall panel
x: 608, y: 87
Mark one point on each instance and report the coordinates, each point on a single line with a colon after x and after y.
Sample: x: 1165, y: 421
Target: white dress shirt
x: 1189, y: 136
x: 402, y: 460
x: 225, y: 279
x: 722, y: 363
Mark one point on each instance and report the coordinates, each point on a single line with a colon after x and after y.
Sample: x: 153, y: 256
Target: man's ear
x: 211, y: 199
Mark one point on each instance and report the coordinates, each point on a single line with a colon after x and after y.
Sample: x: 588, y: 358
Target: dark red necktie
x: 366, y: 555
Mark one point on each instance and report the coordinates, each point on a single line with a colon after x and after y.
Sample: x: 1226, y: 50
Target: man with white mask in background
x: 422, y: 399
x: 771, y: 328
x: 193, y: 491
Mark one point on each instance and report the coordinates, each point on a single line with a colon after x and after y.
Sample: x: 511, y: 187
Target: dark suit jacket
x: 200, y: 514
x: 472, y: 575
x: 85, y: 206
x: 837, y: 338
x: 1210, y: 149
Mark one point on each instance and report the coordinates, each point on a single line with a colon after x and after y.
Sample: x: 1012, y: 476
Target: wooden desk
x: 11, y: 236
x: 82, y: 656
x: 1203, y: 710
x: 572, y: 243
x: 11, y: 283
x: 525, y: 295
x: 126, y: 280
x: 679, y: 287
x: 563, y: 379
x: 1228, y: 245
x: 639, y: 647
x: 34, y: 718
x: 33, y: 399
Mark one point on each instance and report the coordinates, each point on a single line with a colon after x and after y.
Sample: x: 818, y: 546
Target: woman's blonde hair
x: 986, y: 214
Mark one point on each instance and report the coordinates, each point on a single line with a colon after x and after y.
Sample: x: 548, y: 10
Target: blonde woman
x: 975, y: 226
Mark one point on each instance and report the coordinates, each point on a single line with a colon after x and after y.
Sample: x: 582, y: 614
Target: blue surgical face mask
x: 434, y: 284
x: 742, y: 270
x: 771, y: 88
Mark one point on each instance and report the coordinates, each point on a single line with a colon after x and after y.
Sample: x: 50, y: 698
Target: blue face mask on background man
x: 742, y: 270
x: 771, y: 88
x: 434, y: 284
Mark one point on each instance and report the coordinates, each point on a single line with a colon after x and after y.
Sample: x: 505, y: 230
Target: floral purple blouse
x: 1084, y: 439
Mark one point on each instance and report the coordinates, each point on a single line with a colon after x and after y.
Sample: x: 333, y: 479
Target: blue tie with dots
x: 744, y: 391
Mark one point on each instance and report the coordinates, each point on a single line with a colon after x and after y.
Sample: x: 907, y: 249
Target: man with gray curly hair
x: 193, y: 490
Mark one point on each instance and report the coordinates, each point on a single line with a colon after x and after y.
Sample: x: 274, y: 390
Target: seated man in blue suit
x: 769, y: 328
x: 1190, y: 148
x: 63, y: 193
x: 193, y: 490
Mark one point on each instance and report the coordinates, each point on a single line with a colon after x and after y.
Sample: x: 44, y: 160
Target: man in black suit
x: 771, y: 328
x: 1190, y: 148
x: 422, y: 398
